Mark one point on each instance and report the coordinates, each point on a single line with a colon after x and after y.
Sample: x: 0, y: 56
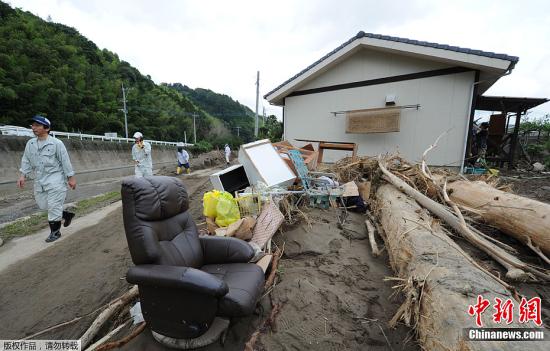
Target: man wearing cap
x: 48, y: 158
x: 141, y: 154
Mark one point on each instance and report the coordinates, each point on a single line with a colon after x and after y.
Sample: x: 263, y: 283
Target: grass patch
x: 39, y: 221
x: 24, y: 227
x: 86, y: 206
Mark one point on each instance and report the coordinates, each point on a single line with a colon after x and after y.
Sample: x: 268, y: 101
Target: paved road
x: 21, y: 248
x: 22, y: 204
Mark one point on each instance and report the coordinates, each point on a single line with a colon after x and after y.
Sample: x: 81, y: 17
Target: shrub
x: 201, y: 147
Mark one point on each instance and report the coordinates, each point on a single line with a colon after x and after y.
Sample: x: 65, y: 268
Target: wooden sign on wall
x: 373, y: 121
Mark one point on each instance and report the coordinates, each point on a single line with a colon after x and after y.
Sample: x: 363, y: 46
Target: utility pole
x: 195, y: 127
x: 125, y: 111
x: 257, y: 96
x: 185, y: 136
x: 238, y: 130
x: 264, y: 116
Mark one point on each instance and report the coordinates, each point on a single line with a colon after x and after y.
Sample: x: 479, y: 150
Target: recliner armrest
x: 185, y: 278
x: 225, y: 250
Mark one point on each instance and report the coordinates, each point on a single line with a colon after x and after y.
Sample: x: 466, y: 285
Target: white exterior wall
x: 444, y: 105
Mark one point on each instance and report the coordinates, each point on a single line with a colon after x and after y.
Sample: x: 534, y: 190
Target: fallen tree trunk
x: 438, y: 278
x: 517, y: 216
x: 516, y: 269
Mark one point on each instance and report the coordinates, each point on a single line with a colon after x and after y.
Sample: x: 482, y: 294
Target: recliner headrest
x: 156, y: 197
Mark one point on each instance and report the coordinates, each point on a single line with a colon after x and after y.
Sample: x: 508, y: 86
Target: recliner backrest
x: 159, y: 229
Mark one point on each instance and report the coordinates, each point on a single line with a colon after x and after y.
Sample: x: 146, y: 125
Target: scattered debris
x: 538, y: 167
x: 308, y: 154
x: 372, y: 240
x: 437, y: 277
x: 104, y: 316
x: 230, y: 179
x: 262, y: 163
x: 267, y: 224
x: 415, y: 210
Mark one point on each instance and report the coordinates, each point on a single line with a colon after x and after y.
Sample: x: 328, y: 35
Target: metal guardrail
x: 12, y: 181
x: 21, y: 131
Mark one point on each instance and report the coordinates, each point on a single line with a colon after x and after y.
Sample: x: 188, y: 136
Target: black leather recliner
x: 184, y: 280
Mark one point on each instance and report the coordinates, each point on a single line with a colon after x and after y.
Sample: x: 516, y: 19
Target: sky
x: 220, y: 45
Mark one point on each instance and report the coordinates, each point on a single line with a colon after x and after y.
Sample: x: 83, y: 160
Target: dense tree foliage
x: 272, y: 129
x: 536, y: 135
x: 50, y: 69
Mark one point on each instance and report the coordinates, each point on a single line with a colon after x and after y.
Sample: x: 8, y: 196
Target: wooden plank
x: 332, y: 146
x: 264, y: 262
x: 379, y: 121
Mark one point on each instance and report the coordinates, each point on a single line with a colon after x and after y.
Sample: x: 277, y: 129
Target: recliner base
x: 218, y: 327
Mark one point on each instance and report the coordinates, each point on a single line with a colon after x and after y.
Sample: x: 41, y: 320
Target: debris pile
x: 417, y: 212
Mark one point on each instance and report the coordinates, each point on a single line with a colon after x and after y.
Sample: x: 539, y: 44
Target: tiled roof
x: 361, y: 34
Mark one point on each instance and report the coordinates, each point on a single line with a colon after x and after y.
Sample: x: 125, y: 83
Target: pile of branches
x: 430, y: 189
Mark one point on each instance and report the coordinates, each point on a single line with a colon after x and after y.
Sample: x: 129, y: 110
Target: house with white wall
x: 387, y: 93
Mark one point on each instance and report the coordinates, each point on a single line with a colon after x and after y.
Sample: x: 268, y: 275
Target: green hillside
x: 50, y: 69
x: 234, y: 114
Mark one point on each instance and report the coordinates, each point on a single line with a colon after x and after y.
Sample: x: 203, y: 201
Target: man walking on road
x: 183, y: 160
x: 141, y: 154
x: 48, y: 158
x: 227, y: 153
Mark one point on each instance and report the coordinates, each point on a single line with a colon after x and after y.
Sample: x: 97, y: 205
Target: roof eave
x: 497, y: 65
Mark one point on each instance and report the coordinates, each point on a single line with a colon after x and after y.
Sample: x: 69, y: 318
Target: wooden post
x: 514, y: 141
x: 471, y: 121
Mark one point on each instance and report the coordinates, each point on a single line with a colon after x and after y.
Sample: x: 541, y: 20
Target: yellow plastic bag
x: 209, y: 203
x: 227, y: 210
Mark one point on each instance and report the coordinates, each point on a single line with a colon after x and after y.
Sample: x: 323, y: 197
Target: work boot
x: 54, y: 231
x: 188, y: 170
x: 68, y: 217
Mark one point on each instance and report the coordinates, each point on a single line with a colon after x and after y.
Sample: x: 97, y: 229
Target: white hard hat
x: 138, y: 135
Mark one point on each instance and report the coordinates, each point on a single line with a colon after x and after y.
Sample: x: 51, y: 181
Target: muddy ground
x: 332, y: 290
x: 534, y: 185
x: 68, y: 279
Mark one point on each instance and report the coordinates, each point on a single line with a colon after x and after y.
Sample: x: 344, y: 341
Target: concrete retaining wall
x: 91, y: 160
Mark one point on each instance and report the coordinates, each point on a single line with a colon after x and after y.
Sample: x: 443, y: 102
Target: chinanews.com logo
x: 528, y: 312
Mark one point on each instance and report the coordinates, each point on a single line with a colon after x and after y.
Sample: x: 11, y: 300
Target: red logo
x: 529, y: 310
x: 503, y: 311
x: 478, y: 309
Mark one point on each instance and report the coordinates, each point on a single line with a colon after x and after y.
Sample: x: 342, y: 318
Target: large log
x: 515, y: 215
x: 516, y: 269
x: 439, y: 279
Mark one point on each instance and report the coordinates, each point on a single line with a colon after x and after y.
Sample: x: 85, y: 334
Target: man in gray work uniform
x: 141, y: 154
x: 48, y: 158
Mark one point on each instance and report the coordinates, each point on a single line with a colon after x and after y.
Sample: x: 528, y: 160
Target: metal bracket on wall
x: 416, y: 107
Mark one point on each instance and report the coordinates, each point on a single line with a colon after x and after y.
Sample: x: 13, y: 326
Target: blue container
x: 472, y: 170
